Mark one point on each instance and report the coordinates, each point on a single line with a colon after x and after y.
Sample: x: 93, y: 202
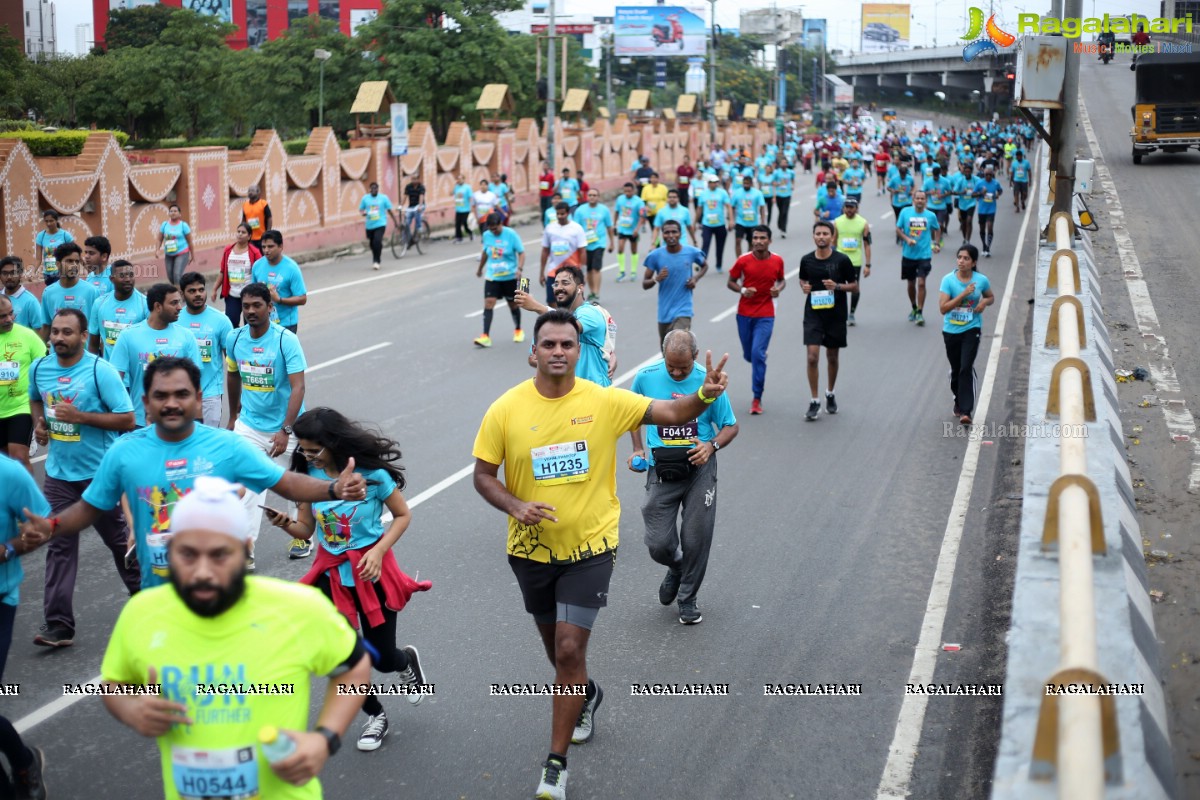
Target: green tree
x: 137, y: 27
x: 12, y: 70
x: 191, y: 55
x: 56, y: 84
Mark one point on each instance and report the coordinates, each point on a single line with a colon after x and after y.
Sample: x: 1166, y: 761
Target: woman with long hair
x: 47, y: 241
x: 175, y: 240
x: 236, y: 262
x: 355, y: 566
x: 962, y: 297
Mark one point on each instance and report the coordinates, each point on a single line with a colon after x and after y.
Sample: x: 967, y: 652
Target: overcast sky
x: 945, y: 19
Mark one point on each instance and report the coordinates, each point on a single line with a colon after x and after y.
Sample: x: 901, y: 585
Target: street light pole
x: 712, y: 74
x: 322, y: 56
x: 550, y: 89
x: 612, y: 46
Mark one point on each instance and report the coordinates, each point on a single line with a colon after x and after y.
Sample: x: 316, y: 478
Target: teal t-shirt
x: 852, y: 181
x: 629, y: 211
x: 766, y: 182
x: 591, y: 364
x: 964, y: 189
x: 680, y: 213
x: 287, y: 279
x: 264, y: 365
x: 175, y: 237
x: 48, y: 243
x: 91, y: 385
x: 713, y: 203
x: 502, y: 254
x: 1020, y: 171
x: 920, y: 225
x: 903, y: 197
x: 101, y: 281
x: 746, y: 203
x: 964, y: 317
x: 211, y: 329
x: 376, y: 207
x: 55, y: 296
x: 20, y: 492
x: 784, y: 178
x: 140, y: 344
x: 28, y: 309
x: 110, y: 316
x: 462, y: 198
x: 343, y: 525
x: 654, y: 381
x: 595, y: 222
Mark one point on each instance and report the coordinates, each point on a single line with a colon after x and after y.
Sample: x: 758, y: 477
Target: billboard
x: 814, y: 34
x: 221, y: 9
x: 885, y: 27
x: 399, y: 114
x: 659, y: 31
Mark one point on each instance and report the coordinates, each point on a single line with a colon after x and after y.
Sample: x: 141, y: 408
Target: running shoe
x: 912, y: 315
x: 554, y: 781
x: 518, y: 335
x: 621, y: 278
x: 483, y: 341
x: 783, y: 234
x: 987, y: 253
x: 593, y: 297
x: 669, y: 588
x: 31, y: 781
x: 830, y: 403
x: 375, y: 265
x: 54, y: 636
x: 300, y: 549
x: 920, y: 320
x: 412, y: 675
x: 689, y: 614
x: 373, y: 732
x: 965, y: 419
x: 585, y: 726
x: 814, y: 408
x: 755, y: 407
x: 850, y: 319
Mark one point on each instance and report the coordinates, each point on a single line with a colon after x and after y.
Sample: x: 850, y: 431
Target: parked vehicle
x: 1166, y: 109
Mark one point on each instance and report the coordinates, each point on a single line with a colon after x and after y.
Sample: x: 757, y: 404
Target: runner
x: 962, y: 297
x: 882, y: 160
x: 559, y: 492
x: 597, y: 222
x: 545, y: 187
x: 20, y: 348
x: 751, y: 210
x: 462, y: 209
x: 966, y: 189
x: 212, y: 621
x: 96, y: 252
x: 484, y: 202
x: 852, y: 236
x: 256, y: 215
x: 116, y: 311
x: 680, y: 507
x: 685, y: 173
x: 236, y: 263
x: 26, y: 305
x: 900, y: 187
x: 563, y: 243
x: 654, y: 195
x: 785, y: 178
x: 1018, y: 178
x: 758, y: 279
x: 597, y: 346
x: 766, y: 184
x: 155, y: 337
x: 825, y: 276
x: 937, y: 191
x: 79, y: 407
x: 46, y: 242
x: 630, y: 213
x: 499, y: 188
x: 675, y: 210
x: 991, y: 191
x: 375, y: 208
x: 642, y: 171
x: 854, y: 177
x: 716, y: 216
x: 355, y: 567
x: 68, y: 291
x: 283, y: 277
x: 211, y: 329
x: 504, y: 256
x: 829, y: 202
x: 174, y: 240
x: 26, y: 764
x: 916, y: 227
x: 675, y: 269
x: 568, y: 187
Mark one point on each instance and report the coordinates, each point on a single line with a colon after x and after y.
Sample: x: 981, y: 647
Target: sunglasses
x: 310, y: 454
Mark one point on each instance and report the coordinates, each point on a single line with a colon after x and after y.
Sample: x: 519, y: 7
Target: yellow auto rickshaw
x: 1166, y: 110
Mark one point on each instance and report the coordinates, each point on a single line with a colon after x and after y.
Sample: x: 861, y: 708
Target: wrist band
x: 53, y: 526
x: 332, y: 493
x: 708, y: 401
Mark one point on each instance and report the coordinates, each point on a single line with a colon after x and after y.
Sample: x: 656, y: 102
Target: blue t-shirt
x: 55, y: 296
x: 111, y: 316
x: 674, y: 297
x: 654, y: 381
x: 376, y: 207
x: 629, y: 211
x: 569, y: 189
x: 550, y: 216
x: 264, y: 366
x: 766, y: 183
x: 48, y: 243
x: 920, y: 225
x: 154, y: 474
x: 288, y: 282
x: 174, y: 237
x: 964, y: 189
x: 101, y: 281
x: 852, y: 180
x: 462, y: 198
x: 680, y: 213
x: 830, y: 208
x: 591, y: 364
x: 784, y: 178
x: 963, y: 318
x: 1020, y: 171
x: 28, y: 309
x: 595, y: 222
x: 746, y: 203
x: 713, y: 203
x: 927, y: 171
x: 140, y: 344
x: 991, y: 191
x: 903, y: 197
x: 502, y: 253
x: 343, y: 525
x: 501, y: 191
x: 937, y: 189
x: 91, y: 385
x: 20, y: 492
x: 211, y: 329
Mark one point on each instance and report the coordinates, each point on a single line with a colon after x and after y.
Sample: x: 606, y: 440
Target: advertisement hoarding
x: 659, y: 31
x: 399, y: 114
x: 814, y: 34
x: 885, y: 27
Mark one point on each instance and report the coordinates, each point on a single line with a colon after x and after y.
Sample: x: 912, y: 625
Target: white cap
x: 710, y: 177
x: 212, y: 505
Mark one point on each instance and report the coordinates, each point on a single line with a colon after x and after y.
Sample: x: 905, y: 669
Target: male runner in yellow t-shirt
x: 556, y: 436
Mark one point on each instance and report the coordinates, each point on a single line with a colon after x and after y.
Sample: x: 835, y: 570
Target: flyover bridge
x: 924, y: 71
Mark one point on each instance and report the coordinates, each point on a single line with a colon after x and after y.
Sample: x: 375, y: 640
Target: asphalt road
x: 826, y: 544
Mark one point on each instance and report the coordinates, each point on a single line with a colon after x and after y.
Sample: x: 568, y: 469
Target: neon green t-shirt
x: 19, y: 348
x: 278, y: 635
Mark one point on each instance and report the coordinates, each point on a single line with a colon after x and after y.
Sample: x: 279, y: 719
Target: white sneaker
x: 373, y: 732
x: 375, y: 265
x: 554, y: 782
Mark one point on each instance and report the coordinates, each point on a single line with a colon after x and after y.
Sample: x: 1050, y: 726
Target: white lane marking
x: 729, y: 311
x: 348, y: 356
x: 885, y: 215
x: 897, y: 772
x: 478, y: 313
x: 1162, y: 370
x: 50, y: 709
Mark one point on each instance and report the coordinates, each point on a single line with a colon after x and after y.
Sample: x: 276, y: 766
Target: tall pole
x: 712, y: 74
x: 814, y: 103
x: 778, y: 76
x: 550, y: 90
x: 612, y: 112
x: 1064, y: 189
x: 321, y: 102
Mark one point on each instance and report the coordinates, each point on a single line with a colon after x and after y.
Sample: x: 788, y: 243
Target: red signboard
x: 564, y: 28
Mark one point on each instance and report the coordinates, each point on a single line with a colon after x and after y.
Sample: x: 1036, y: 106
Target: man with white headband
x: 228, y: 659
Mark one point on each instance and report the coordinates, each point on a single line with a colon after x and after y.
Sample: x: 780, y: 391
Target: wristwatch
x: 331, y: 739
x: 716, y: 446
x: 9, y: 551
x: 287, y: 429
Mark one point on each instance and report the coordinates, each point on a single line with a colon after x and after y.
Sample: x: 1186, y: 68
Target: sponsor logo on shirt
x: 161, y: 341
x: 582, y: 420
x: 64, y: 379
x: 256, y: 349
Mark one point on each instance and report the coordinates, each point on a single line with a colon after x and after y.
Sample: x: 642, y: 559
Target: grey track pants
x: 682, y: 547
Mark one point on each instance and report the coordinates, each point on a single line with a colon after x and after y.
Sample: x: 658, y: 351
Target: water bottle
x: 275, y: 744
x: 639, y: 464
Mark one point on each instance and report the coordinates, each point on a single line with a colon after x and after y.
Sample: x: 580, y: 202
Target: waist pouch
x: 671, y: 464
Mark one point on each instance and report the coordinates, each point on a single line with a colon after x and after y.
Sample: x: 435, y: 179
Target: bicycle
x: 414, y: 232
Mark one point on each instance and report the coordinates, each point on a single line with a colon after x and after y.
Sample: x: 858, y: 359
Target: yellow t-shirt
x: 655, y: 197
x: 562, y: 452
x: 280, y: 634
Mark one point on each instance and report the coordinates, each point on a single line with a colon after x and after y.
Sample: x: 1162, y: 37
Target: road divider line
x: 348, y: 356
x: 902, y: 755
x: 727, y: 312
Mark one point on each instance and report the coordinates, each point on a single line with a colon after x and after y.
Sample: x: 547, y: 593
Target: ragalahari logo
x: 984, y: 38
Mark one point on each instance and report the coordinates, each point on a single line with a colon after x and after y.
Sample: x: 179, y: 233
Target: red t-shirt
x: 546, y: 185
x: 881, y: 162
x: 761, y: 275
x: 684, y: 175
